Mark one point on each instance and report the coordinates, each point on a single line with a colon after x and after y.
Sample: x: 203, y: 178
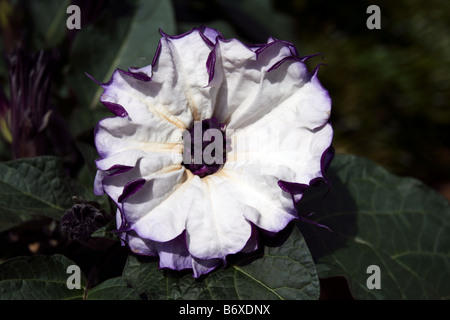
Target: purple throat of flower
x: 197, y: 144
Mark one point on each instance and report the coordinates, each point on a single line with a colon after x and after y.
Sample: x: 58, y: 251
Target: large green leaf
x: 46, y: 277
x: 38, y: 278
x: 112, y: 289
x: 33, y: 186
x: 281, y: 272
x: 125, y: 36
x: 398, y: 224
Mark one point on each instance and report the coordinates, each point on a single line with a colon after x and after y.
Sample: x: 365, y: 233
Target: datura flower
x: 211, y: 143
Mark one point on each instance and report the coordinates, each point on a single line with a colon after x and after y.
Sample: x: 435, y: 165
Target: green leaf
x: 282, y: 272
x: 38, y: 278
x: 377, y: 218
x: 107, y: 231
x: 45, y: 278
x: 86, y: 179
x: 89, y: 154
x: 125, y: 36
x: 33, y: 186
x: 112, y: 289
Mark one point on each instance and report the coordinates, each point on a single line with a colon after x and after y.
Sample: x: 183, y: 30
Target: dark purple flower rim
x: 120, y: 111
x: 291, y: 187
x: 294, y: 188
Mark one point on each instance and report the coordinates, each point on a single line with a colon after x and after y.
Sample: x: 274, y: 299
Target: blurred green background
x: 390, y: 87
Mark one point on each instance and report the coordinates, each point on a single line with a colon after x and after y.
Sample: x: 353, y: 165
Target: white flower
x: 279, y: 142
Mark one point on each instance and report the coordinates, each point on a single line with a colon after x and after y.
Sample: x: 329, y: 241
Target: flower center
x: 204, y: 150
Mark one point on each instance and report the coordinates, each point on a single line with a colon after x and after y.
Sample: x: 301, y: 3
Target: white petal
x: 115, y: 135
x: 264, y: 203
x: 153, y: 212
x: 248, y: 90
x: 282, y: 149
x: 182, y: 75
x: 216, y: 226
x: 147, y: 70
x: 279, y: 150
x: 172, y: 254
x: 207, y: 208
x: 153, y: 164
x: 139, y: 245
x: 142, y: 99
x: 122, y: 158
x: 201, y: 266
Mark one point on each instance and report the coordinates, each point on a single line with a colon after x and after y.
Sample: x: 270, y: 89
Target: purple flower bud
x: 30, y: 76
x: 83, y: 219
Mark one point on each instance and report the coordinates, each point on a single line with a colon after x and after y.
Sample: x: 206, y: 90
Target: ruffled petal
x: 172, y: 254
x: 261, y: 200
x: 181, y: 72
x: 281, y: 149
x: 211, y: 34
x: 126, y: 158
x: 216, y: 226
x: 153, y: 164
x: 251, y: 87
x: 115, y: 135
x: 278, y: 150
x: 151, y: 212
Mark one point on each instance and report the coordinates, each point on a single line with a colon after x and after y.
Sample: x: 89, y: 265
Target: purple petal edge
x: 205, y: 31
x: 92, y: 78
x: 280, y: 62
x: 131, y: 188
x: 136, y: 75
x: 123, y: 225
x: 210, y: 64
x: 264, y: 46
x: 115, y: 108
x: 294, y: 188
x: 299, y: 59
x: 258, y: 49
x: 118, y: 169
x: 299, y: 188
x: 202, y: 31
x: 180, y: 242
x: 314, y: 223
